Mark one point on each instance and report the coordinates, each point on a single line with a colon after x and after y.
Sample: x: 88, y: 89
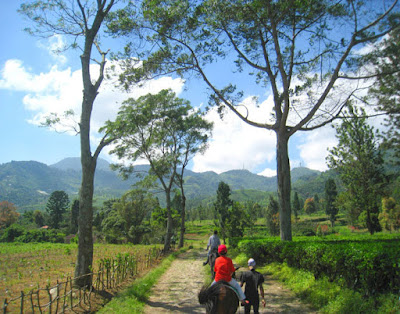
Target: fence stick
x: 65, y: 295
x: 32, y: 305
x: 50, y: 299
x: 58, y: 296
x: 22, y: 302
x: 71, y: 294
x: 38, y: 299
x: 5, y: 306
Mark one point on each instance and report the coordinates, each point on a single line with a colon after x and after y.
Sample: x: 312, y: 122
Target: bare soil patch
x: 177, y: 289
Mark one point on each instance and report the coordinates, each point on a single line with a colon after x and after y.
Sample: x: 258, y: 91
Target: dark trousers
x: 255, y: 306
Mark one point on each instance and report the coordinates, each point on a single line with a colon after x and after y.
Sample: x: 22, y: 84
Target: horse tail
x: 208, y: 295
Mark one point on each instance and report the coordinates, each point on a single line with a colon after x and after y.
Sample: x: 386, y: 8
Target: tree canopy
x: 301, y: 52
x: 157, y: 128
x: 360, y: 165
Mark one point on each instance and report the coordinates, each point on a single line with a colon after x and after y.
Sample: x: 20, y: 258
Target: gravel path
x: 177, y: 289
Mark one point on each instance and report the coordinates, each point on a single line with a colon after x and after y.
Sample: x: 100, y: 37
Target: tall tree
x: 56, y: 207
x: 153, y: 127
x: 387, y: 88
x: 273, y: 216
x: 296, y: 205
x: 73, y: 227
x: 195, y: 134
x: 81, y: 21
x: 133, y: 208
x: 331, y: 208
x: 297, y: 50
x: 221, y: 206
x: 309, y: 206
x: 358, y: 160
x: 8, y: 214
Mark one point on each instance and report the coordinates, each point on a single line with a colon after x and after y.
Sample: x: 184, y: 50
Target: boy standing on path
x: 253, y: 280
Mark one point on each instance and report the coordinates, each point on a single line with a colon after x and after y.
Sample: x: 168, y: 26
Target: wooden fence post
x: 5, y: 306
x: 22, y: 302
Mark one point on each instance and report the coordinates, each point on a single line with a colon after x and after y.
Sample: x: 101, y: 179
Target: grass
x: 329, y: 297
x: 134, y: 298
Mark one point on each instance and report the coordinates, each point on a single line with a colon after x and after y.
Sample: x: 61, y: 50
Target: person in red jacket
x: 223, y: 271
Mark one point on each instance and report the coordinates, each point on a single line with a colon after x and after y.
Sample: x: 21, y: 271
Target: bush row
x: 367, y: 266
x: 16, y: 233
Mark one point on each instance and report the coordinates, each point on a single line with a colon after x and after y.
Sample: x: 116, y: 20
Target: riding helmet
x: 222, y: 249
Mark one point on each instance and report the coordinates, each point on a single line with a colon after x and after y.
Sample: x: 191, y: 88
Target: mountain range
x: 28, y: 184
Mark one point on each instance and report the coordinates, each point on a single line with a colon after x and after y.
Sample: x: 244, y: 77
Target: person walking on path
x: 212, y: 245
x: 253, y: 281
x: 224, y: 270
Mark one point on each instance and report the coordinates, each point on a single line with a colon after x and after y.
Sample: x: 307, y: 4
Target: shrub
x: 11, y: 233
x: 370, y: 267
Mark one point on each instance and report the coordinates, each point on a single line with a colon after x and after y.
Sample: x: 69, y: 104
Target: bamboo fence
x: 65, y: 297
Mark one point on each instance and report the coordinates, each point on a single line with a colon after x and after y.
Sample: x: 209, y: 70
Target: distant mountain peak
x: 74, y: 163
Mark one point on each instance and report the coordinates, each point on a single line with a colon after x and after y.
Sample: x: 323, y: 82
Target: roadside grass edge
x: 133, y: 299
x: 329, y: 297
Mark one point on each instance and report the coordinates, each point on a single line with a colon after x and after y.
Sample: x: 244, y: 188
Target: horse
x: 219, y: 298
x: 211, y: 260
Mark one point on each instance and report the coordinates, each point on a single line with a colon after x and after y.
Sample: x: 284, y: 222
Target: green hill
x: 28, y: 184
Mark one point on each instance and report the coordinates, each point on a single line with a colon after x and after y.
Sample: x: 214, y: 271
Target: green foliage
x: 360, y: 164
x: 330, y: 198
x: 309, y: 206
x: 370, y: 267
x: 133, y: 207
x: 40, y: 235
x: 296, y: 205
x: 8, y: 214
x: 272, y: 216
x: 387, y: 87
x: 73, y: 227
x: 56, y: 207
x: 12, y: 232
x: 389, y: 218
x: 237, y: 220
x: 38, y: 218
x: 221, y: 206
x: 16, y: 233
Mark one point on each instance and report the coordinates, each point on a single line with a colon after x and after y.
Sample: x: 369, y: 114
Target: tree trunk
x: 167, y: 240
x: 284, y: 186
x: 85, y: 242
x: 183, y: 229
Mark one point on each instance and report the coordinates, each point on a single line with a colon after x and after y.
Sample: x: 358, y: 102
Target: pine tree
x: 330, y: 197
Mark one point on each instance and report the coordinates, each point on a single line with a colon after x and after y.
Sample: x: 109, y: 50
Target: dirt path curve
x: 177, y: 289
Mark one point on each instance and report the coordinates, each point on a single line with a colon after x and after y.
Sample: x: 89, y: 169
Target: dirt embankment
x: 177, y: 289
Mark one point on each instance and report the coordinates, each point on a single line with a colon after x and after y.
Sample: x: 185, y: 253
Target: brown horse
x: 219, y: 298
x: 211, y: 260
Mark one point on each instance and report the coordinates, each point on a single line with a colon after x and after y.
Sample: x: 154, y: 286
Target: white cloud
x: 60, y: 90
x: 267, y: 173
x: 314, y: 149
x: 235, y: 144
x: 55, y: 46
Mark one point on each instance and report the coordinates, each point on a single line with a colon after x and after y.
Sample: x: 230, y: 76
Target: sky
x: 35, y: 82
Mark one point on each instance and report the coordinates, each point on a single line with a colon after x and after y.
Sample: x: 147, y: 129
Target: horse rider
x: 212, y: 245
x: 224, y: 270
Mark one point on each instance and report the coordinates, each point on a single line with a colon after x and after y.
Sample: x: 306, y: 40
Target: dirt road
x: 177, y: 289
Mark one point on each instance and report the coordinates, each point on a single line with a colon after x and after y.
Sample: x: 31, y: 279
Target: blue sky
x: 34, y: 82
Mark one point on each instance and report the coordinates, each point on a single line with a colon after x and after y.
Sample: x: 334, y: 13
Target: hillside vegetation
x: 28, y: 184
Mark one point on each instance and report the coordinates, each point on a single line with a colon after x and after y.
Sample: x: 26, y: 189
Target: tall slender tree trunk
x: 284, y: 185
x: 85, y: 220
x: 167, y: 240
x: 183, y: 214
